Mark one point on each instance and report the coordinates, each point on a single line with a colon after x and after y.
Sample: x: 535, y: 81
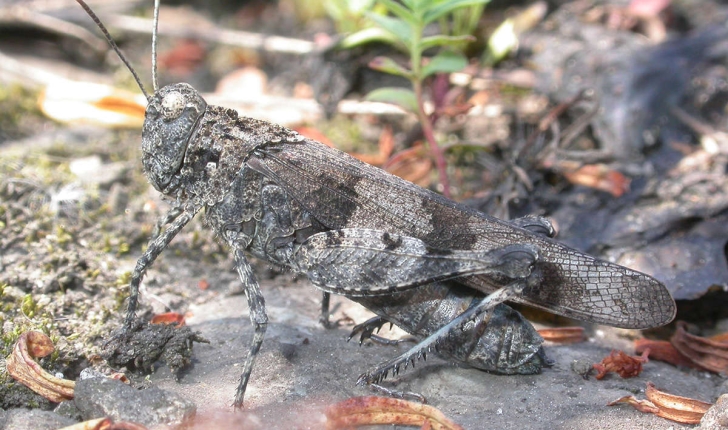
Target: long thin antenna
x: 154, y: 46
x: 113, y: 45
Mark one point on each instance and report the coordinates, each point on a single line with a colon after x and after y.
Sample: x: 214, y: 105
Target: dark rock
x: 98, y: 397
x: 23, y: 419
x: 717, y: 416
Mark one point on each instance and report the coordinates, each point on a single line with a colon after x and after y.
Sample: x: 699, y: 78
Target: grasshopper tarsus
x: 535, y: 224
x: 366, y: 329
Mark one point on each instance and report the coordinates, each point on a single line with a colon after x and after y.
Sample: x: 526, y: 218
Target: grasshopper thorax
x: 170, y: 120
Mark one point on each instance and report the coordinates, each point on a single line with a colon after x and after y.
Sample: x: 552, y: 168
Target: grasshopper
x: 436, y: 268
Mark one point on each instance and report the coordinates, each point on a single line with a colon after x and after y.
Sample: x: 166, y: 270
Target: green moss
x: 124, y: 279
x: 29, y: 307
x: 18, y: 107
x: 123, y: 248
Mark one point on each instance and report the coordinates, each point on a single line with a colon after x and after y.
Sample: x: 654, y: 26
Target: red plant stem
x: 429, y: 133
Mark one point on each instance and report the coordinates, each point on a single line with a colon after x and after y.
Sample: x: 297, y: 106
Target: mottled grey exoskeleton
x: 436, y: 268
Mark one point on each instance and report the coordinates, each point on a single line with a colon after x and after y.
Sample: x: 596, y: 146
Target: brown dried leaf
x: 601, y: 177
x: 645, y: 406
x: 413, y: 164
x: 663, y: 350
x: 626, y: 366
x: 24, y: 369
x: 105, y: 424
x: 125, y: 425
x: 563, y: 335
x: 95, y: 424
x: 707, y: 353
x: 120, y: 377
x: 458, y: 107
x: 247, y: 83
x: 721, y: 338
x: 315, y: 134
x: 169, y: 318
x: 669, y: 406
x: 372, y: 410
x: 386, y: 147
x: 183, y: 58
x: 88, y: 103
x: 676, y: 408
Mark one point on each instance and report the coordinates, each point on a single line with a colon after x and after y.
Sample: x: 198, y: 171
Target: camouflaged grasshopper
x: 437, y: 269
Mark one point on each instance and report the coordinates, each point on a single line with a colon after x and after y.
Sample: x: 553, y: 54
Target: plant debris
x: 22, y: 366
x: 626, y: 366
x: 685, y: 349
x: 706, y: 353
x: 601, y: 177
x: 372, y: 410
x: 676, y: 408
x: 105, y: 424
x: 563, y: 335
x: 168, y: 318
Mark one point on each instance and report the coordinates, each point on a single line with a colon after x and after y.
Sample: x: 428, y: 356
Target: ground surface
x: 76, y: 213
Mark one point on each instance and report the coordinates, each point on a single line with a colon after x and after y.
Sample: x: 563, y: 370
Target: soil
x: 76, y: 212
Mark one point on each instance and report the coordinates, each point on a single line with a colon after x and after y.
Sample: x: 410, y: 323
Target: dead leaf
x: 248, y: 83
x: 669, y: 406
x: 95, y: 424
x: 413, y: 164
x: 104, y: 424
x: 24, y: 369
x: 480, y: 98
x: 87, y: 103
x: 169, y: 318
x: 120, y: 377
x: 601, y: 177
x: 372, y: 410
x: 386, y: 147
x: 676, y: 408
x: 663, y: 350
x: 203, y: 284
x: 721, y: 338
x: 183, y: 58
x: 645, y: 406
x: 626, y: 366
x: 315, y: 134
x: 707, y: 353
x: 563, y: 335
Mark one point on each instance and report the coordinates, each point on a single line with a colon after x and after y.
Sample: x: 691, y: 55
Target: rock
x: 23, y: 419
x: 98, y: 397
x: 717, y: 417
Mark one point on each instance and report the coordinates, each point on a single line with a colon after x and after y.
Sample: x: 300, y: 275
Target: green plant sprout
x: 405, y: 31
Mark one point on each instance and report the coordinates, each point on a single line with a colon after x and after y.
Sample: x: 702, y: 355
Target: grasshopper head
x: 170, y: 120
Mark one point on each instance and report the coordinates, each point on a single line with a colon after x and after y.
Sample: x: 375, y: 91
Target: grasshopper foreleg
x: 155, y: 247
x: 258, y: 318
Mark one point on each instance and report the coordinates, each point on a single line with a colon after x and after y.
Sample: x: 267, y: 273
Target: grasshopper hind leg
x: 367, y: 328
x: 441, y: 336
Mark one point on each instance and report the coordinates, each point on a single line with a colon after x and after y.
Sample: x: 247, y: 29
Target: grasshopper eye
x: 172, y: 105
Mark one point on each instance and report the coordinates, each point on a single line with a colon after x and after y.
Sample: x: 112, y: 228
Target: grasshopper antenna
x: 116, y: 48
x: 154, y: 45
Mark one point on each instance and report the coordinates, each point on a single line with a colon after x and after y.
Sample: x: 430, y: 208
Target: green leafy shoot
x: 403, y: 27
